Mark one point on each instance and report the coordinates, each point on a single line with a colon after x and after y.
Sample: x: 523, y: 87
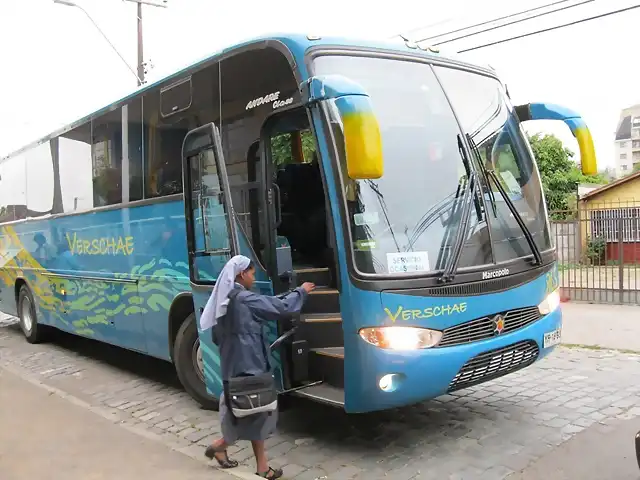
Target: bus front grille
x: 485, y: 327
x: 495, y: 363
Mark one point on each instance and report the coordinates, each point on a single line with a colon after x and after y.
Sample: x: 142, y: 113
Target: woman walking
x: 237, y: 317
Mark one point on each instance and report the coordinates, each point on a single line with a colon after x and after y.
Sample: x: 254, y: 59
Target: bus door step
x: 301, y: 387
x: 323, y: 393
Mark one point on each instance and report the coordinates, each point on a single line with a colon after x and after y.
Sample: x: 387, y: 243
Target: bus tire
x: 185, y: 360
x: 33, y: 332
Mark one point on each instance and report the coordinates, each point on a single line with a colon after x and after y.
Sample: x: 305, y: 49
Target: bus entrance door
x: 213, y: 236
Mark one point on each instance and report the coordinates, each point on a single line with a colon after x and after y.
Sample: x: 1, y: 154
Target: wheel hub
x: 27, y: 319
x: 198, y: 362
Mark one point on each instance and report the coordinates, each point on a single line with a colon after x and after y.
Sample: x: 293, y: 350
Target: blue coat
x: 244, y: 350
x: 240, y: 333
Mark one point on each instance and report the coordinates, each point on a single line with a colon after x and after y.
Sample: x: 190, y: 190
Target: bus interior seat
x: 303, y: 208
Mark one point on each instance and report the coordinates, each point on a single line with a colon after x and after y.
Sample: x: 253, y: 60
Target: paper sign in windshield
x: 408, y: 262
x: 370, y: 218
x: 365, y: 245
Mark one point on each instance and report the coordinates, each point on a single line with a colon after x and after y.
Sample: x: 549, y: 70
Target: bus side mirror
x: 362, y: 139
x: 579, y: 129
x: 361, y: 131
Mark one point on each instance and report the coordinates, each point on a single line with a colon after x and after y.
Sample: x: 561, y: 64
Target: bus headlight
x: 401, y: 338
x: 550, y: 303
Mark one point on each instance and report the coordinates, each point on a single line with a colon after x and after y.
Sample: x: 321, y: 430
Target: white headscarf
x: 217, y: 305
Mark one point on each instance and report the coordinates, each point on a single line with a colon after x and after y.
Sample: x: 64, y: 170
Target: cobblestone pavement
x: 486, y: 432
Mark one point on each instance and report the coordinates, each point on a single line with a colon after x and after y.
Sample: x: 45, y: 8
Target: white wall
x: 623, y: 149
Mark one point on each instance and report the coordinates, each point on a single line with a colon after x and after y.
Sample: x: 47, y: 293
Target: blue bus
x: 396, y: 179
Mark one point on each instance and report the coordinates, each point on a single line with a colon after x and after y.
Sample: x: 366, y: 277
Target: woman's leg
x: 262, y: 465
x: 218, y: 451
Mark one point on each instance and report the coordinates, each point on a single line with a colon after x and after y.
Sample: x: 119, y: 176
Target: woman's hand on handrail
x: 308, y: 287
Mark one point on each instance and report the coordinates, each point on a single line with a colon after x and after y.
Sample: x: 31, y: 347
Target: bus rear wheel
x: 33, y: 332
x: 188, y: 362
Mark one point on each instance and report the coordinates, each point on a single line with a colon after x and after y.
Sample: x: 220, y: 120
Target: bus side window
x: 163, y: 142
x: 106, y: 158
x: 168, y: 114
x: 13, y: 200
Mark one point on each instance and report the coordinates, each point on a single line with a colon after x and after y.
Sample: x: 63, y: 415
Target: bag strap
x: 233, y: 294
x: 227, y: 401
x: 214, y: 331
x: 264, y: 348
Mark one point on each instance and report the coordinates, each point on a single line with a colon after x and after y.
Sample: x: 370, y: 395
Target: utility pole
x: 70, y: 3
x: 140, y: 47
x: 141, y: 70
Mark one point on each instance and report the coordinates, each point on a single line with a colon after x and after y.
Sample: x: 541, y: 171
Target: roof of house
x: 620, y: 181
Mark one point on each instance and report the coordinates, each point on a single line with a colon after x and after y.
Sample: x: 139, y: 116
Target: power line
x: 491, y: 21
x: 406, y: 32
x: 567, y: 7
x: 557, y: 27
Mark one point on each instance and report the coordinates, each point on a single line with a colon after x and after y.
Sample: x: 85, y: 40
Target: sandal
x: 271, y: 474
x: 211, y: 453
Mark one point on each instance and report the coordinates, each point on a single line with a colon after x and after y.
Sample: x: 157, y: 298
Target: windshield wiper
x: 470, y: 196
x: 383, y: 206
x: 525, y: 230
x: 469, y: 170
x: 437, y: 210
x: 453, y: 260
x: 478, y: 157
x: 453, y: 215
x: 491, y: 174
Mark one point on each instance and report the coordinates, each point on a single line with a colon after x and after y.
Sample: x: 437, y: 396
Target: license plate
x: 552, y: 338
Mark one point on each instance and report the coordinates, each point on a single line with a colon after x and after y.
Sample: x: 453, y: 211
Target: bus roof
x: 296, y: 43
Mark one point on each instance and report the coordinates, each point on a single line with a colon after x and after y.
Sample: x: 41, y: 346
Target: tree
x: 636, y: 167
x: 281, y: 147
x: 560, y: 174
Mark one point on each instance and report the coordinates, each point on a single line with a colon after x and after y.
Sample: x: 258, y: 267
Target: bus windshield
x: 406, y: 222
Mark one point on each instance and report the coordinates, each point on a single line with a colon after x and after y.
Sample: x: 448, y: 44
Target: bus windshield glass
x: 407, y: 221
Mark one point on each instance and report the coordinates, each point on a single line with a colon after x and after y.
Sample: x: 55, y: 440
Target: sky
x: 56, y: 67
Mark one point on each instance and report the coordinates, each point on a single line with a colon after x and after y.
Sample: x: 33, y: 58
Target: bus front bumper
x: 378, y: 379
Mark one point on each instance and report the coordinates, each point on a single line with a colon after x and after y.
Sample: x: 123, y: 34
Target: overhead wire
x: 423, y: 27
x: 549, y: 29
x: 520, y: 20
x: 505, y: 17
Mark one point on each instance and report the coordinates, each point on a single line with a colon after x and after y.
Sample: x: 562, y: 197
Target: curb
x: 112, y: 417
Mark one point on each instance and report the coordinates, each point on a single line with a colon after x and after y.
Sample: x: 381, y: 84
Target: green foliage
x: 281, y: 147
x: 636, y: 167
x: 560, y: 174
x: 596, y: 247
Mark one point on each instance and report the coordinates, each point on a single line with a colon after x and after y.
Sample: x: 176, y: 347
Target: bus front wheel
x: 33, y: 332
x: 188, y: 363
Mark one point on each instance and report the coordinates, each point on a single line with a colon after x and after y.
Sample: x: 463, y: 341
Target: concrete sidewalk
x: 45, y: 436
x: 601, y: 325
x: 601, y: 452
